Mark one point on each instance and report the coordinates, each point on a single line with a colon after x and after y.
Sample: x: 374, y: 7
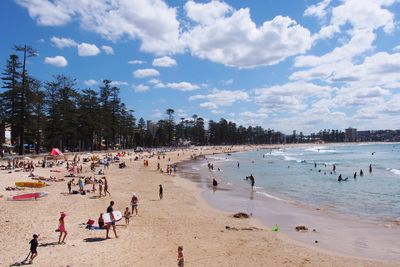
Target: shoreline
x: 349, y: 228
x: 183, y: 217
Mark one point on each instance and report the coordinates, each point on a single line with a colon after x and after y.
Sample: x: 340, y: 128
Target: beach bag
x: 90, y: 222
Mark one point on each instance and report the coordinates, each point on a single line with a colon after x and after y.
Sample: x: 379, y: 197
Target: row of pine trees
x: 42, y: 115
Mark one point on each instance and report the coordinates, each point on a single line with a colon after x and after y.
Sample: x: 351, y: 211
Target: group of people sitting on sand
x: 83, y: 181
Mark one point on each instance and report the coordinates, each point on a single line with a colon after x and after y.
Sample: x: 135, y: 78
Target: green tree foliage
x: 58, y: 114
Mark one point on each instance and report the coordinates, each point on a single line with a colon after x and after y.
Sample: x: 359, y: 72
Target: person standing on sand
x: 34, y: 244
x: 181, y: 259
x: 112, y: 224
x: 161, y: 192
x: 134, y: 204
x: 70, y: 184
x: 106, y: 187
x: 100, y: 187
x: 61, y: 228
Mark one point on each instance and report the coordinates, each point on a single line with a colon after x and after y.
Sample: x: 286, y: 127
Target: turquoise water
x: 290, y: 175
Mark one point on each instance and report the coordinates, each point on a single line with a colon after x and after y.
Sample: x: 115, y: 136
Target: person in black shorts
x: 34, y: 244
x: 112, y: 224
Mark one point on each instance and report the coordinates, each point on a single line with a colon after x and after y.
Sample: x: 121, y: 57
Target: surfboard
x: 116, y: 214
x: 31, y: 184
x: 28, y: 196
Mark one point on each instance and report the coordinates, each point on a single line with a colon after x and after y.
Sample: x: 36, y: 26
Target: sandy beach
x: 181, y: 218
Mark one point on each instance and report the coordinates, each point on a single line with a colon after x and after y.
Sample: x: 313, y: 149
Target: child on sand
x: 181, y: 260
x: 34, y: 244
x: 61, y: 228
x: 127, y: 215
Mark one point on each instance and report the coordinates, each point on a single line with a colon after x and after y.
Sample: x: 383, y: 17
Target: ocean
x: 297, y: 185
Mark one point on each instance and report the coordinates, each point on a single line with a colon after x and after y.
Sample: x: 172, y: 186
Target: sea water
x: 290, y: 174
x: 359, y: 216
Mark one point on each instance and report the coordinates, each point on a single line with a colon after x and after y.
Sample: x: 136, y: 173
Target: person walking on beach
x: 61, y: 228
x: 134, y: 204
x: 81, y: 184
x: 106, y: 187
x: 181, y: 259
x: 70, y: 184
x: 110, y: 210
x: 161, y: 192
x: 34, y: 244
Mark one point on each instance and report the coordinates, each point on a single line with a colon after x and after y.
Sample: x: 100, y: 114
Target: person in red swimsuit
x: 61, y: 228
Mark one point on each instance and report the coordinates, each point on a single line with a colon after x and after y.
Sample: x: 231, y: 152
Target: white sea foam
x: 195, y: 168
x: 289, y: 158
x: 269, y: 196
x: 395, y: 171
x: 320, y: 149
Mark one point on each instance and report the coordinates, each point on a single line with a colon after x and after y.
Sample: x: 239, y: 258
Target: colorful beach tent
x: 55, y: 152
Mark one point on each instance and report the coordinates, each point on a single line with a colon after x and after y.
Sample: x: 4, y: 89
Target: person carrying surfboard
x: 110, y: 210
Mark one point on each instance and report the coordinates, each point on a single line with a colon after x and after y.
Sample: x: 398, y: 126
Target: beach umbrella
x: 55, y: 152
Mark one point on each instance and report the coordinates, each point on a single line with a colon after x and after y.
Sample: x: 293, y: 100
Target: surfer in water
x: 340, y: 178
x: 370, y: 168
x: 252, y: 180
x: 215, y: 183
x: 361, y: 173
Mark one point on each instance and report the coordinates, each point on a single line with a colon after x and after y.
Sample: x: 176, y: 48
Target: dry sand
x: 151, y: 239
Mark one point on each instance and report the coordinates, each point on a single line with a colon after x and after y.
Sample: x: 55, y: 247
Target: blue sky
x: 304, y: 65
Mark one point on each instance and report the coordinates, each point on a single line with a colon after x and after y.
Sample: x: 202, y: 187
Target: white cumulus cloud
x: 216, y: 98
x: 136, y: 62
x: 86, y: 50
x: 181, y: 86
x: 107, y: 49
x: 141, y: 88
x: 63, y: 42
x: 318, y: 10
x: 143, y: 73
x: 58, y: 61
x: 235, y: 40
x: 90, y: 82
x: 117, y: 83
x: 164, y: 62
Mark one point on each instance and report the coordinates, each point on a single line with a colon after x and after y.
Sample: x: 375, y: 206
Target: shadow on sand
x: 94, y: 239
x: 48, y: 244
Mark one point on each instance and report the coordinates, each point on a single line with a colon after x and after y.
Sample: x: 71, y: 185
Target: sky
x: 302, y: 65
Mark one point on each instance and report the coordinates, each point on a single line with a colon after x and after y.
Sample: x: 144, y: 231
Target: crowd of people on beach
x: 90, y: 184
